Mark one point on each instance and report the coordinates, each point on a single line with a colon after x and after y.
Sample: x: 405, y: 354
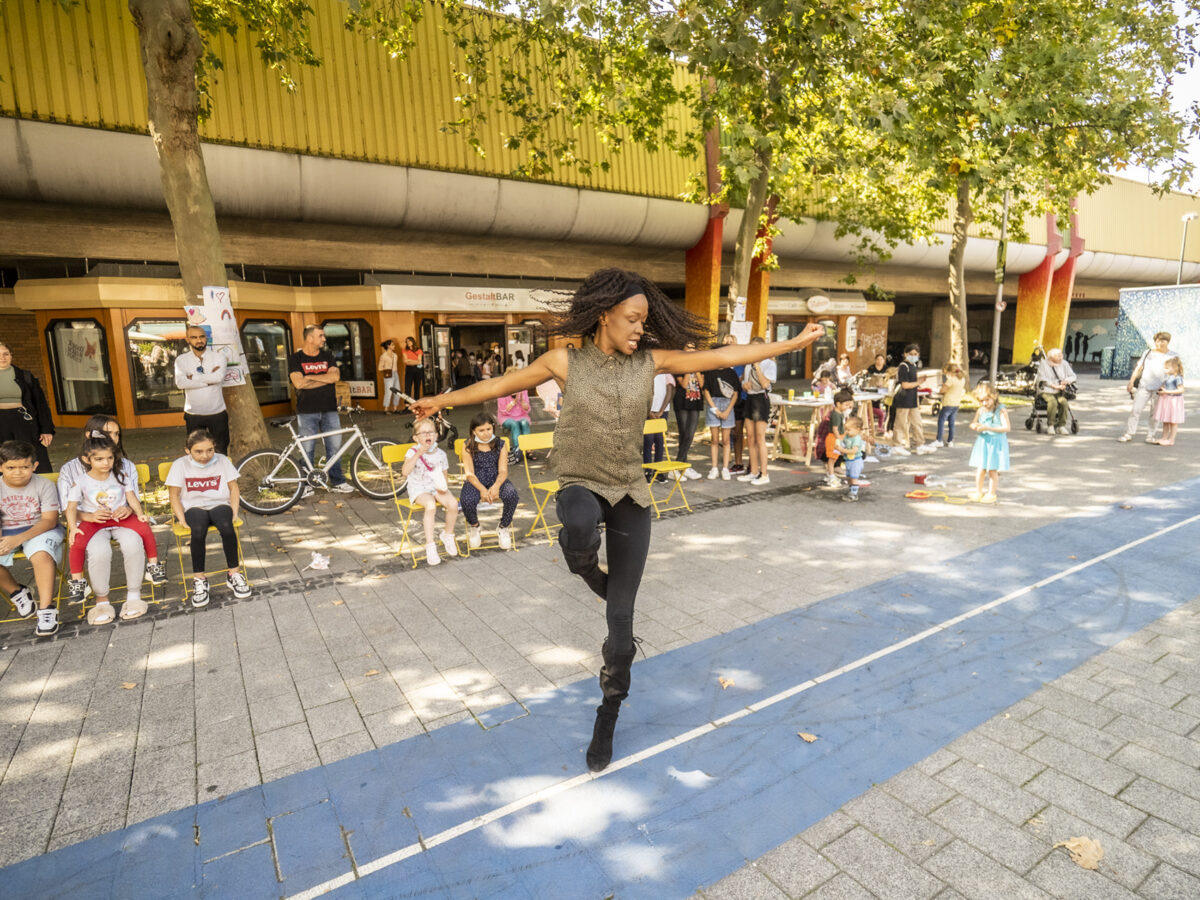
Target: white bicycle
x: 272, y: 481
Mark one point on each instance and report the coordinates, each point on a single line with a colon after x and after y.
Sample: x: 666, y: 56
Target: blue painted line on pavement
x: 691, y: 813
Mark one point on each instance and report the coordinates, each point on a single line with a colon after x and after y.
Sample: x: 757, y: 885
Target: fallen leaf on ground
x: 338, y: 505
x: 929, y: 843
x: 808, y: 738
x: 129, y: 685
x: 725, y: 683
x: 1072, y: 557
x: 370, y: 672
x: 338, y: 602
x: 1085, y: 852
x: 941, y: 527
x: 323, y: 502
x: 906, y: 595
x: 1126, y: 506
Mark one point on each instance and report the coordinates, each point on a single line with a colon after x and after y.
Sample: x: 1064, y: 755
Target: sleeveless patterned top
x: 598, y: 439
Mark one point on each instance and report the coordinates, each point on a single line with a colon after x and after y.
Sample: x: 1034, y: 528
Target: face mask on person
x: 913, y: 358
x: 208, y: 462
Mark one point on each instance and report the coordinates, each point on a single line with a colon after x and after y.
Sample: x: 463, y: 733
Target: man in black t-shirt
x: 313, y: 373
x: 908, y: 427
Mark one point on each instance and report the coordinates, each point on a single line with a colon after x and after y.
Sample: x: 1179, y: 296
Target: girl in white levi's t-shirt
x: 425, y: 467
x: 203, y: 488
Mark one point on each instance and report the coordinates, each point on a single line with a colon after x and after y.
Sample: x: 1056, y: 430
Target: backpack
x: 823, y: 431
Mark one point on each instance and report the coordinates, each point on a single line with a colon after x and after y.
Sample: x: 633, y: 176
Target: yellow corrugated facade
x: 83, y: 67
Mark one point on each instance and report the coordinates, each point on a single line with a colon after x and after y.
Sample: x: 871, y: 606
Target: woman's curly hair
x: 668, y: 326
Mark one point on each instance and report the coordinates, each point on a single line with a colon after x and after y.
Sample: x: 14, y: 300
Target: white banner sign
x: 411, y: 297
x: 361, y: 388
x: 217, y: 318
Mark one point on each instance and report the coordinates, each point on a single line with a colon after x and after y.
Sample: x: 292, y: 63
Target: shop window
x: 790, y: 365
x: 267, y: 343
x: 153, y: 346
x: 352, y: 343
x: 825, y: 347
x: 78, y: 351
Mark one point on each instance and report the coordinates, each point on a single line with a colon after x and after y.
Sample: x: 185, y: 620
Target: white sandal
x: 101, y: 614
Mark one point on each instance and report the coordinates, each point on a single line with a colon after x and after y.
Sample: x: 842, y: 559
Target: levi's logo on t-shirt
x: 320, y: 367
x: 211, y: 483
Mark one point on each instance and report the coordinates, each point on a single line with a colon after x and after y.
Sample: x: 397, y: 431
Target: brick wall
x: 19, y: 330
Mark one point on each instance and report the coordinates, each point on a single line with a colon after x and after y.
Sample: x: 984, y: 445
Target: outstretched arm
x: 679, y: 362
x: 552, y: 364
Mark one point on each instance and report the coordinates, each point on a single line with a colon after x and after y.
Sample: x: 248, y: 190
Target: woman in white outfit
x: 389, y: 374
x: 1149, y: 374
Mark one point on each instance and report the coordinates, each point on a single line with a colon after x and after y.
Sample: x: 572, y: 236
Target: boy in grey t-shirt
x: 29, y: 522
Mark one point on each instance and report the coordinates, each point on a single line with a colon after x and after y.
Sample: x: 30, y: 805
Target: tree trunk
x: 963, y: 216
x: 171, y: 46
x: 743, y: 252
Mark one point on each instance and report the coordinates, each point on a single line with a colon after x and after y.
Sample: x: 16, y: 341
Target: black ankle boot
x: 614, y: 685
x: 586, y: 564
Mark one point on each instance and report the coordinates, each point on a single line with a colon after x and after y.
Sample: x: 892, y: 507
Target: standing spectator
x: 313, y: 374
x: 989, y: 456
x: 518, y: 360
x: 757, y: 382
x: 954, y: 385
x: 24, y: 412
x: 414, y: 368
x: 654, y: 445
x: 689, y: 401
x: 1054, y: 374
x: 909, y: 430
x: 1168, y: 411
x: 720, y: 394
x: 389, y: 371
x: 200, y: 373
x: 462, y: 370
x: 1144, y: 383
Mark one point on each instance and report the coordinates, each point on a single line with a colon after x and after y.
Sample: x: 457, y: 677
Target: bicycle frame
x: 307, y: 465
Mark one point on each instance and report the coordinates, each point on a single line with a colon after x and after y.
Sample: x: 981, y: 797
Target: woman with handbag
x: 414, y: 368
x: 1056, y: 381
x: 1143, y: 386
x: 24, y: 412
x: 389, y: 372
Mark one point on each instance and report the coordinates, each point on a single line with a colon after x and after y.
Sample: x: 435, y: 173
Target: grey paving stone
x: 345, y: 746
x: 1183, y: 749
x: 1173, y: 845
x: 1086, y: 802
x: 1168, y: 883
x: 795, y: 867
x: 747, y: 883
x: 227, y: 775
x: 275, y: 712
x: 841, y: 887
x: 989, y: 833
x: 1123, y: 863
x: 98, y: 826
x: 1061, y: 878
x: 1162, y: 769
x: 869, y: 861
x: 1162, y: 694
x: 991, y: 791
x: 171, y: 770
x: 334, y: 720
x: 936, y: 761
x: 1088, y: 688
x: 828, y: 829
x: 996, y: 758
x: 896, y: 824
x: 975, y: 875
x: 918, y: 790
x: 227, y: 737
x: 1099, y: 743
x: 1073, y: 707
x: 1108, y: 776
x: 284, y: 748
x: 1014, y: 733
x: 23, y: 836
x: 1140, y: 669
x: 321, y: 690
x: 1166, y: 804
x: 1150, y: 712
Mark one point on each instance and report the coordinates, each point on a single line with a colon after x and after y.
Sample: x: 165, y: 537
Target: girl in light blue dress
x: 989, y: 456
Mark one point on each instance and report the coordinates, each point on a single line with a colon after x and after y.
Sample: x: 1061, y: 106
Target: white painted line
x: 625, y: 762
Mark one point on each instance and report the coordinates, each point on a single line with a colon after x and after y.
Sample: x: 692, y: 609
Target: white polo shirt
x: 201, y: 386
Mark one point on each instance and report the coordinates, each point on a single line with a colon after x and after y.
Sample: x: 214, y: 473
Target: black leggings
x: 198, y: 520
x: 414, y: 380
x: 628, y: 527
x: 687, y: 420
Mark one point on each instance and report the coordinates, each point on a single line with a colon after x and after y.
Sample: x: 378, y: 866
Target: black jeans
x: 628, y: 528
x: 687, y: 420
x: 198, y: 520
x: 217, y: 423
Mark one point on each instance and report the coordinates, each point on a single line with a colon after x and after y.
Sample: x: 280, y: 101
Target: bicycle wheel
x: 371, y: 479
x: 269, y: 482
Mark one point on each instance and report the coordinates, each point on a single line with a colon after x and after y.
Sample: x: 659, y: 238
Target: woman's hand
x: 425, y: 407
x: 811, y: 332
x: 46, y: 439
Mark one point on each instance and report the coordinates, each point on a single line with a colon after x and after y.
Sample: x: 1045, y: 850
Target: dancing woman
x: 631, y: 332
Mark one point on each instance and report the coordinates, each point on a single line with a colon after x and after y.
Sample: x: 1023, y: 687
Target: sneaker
x: 22, y: 599
x: 714, y: 472
x: 974, y: 496
x: 239, y: 585
x: 762, y: 479
x: 948, y: 444
x: 505, y: 536
x: 988, y: 498
x: 749, y: 476
x: 1151, y: 440
x: 307, y: 492
x: 937, y: 444
x: 832, y: 481
x: 1125, y: 438
x: 450, y: 544
x: 925, y: 449
x: 675, y: 476
x: 474, y: 536
x: 199, y: 592
x: 726, y: 474
x: 692, y: 475
x: 76, y: 589
x: 901, y: 451
x: 875, y: 459
x: 156, y: 573
x: 862, y: 482
x: 431, y: 555
x: 47, y: 622
x: 344, y: 488
x: 1063, y: 429
x: 850, y: 497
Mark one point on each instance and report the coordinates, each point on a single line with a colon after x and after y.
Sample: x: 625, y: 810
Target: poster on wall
x: 217, y: 318
x: 79, y: 353
x: 1086, y: 339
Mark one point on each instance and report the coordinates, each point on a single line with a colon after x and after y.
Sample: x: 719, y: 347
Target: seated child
x: 101, y: 499
x: 29, y: 513
x: 853, y: 448
x: 842, y: 402
x: 486, y: 467
x: 425, y: 467
x: 203, y: 488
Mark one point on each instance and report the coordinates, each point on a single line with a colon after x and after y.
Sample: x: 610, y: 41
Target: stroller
x: 1037, y: 417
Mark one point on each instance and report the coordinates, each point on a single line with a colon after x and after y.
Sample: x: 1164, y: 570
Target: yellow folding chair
x: 182, y: 531
x: 393, y: 457
x: 542, y: 440
x: 663, y: 467
x: 458, y: 451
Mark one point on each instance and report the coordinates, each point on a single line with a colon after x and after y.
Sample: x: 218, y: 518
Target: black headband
x: 632, y: 289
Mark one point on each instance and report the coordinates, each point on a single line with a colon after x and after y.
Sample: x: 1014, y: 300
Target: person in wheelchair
x: 1056, y: 386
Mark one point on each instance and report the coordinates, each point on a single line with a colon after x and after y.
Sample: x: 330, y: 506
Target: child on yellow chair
x: 203, y: 488
x: 425, y: 467
x: 486, y: 467
x: 29, y: 510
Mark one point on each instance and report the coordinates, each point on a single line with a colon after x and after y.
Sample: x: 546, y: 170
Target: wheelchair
x: 1038, y: 419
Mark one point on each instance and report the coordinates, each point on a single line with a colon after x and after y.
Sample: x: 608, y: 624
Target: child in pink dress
x: 1169, y: 408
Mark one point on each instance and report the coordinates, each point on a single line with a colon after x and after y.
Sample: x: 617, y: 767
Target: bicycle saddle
x: 282, y: 422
